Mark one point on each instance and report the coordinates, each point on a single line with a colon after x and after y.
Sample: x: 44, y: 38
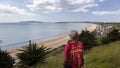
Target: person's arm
x: 83, y: 63
x: 66, y: 53
x: 82, y: 55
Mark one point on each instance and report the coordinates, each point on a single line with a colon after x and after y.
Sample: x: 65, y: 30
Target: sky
x: 59, y: 10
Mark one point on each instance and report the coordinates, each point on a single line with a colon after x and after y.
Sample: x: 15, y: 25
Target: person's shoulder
x: 68, y: 44
x: 80, y: 43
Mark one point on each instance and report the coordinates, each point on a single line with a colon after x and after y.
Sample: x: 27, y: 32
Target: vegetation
x: 32, y: 54
x: 112, y: 36
x: 118, y: 27
x: 103, y: 56
x: 88, y: 39
x: 105, y: 40
x: 55, y: 59
x: 6, y: 61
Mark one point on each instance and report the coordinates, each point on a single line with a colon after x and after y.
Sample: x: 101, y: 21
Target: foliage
x: 32, y: 54
x: 105, y: 40
x: 55, y: 59
x: 88, y: 39
x: 6, y: 61
x: 114, y: 35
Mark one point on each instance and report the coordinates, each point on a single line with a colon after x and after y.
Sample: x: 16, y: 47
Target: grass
x: 118, y: 28
x: 55, y: 59
x: 102, y: 56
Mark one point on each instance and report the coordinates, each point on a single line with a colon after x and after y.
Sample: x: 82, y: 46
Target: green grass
x: 102, y: 56
x: 118, y: 28
x: 55, y: 59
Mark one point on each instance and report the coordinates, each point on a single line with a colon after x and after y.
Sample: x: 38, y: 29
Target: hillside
x: 102, y: 56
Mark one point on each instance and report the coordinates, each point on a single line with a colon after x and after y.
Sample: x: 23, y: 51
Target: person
x: 74, y: 52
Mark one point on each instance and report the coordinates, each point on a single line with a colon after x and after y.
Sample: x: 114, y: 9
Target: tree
x: 105, y: 40
x: 88, y: 39
x: 32, y: 54
x: 6, y: 61
x: 114, y: 35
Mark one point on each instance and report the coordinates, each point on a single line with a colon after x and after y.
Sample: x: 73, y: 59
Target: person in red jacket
x: 74, y: 52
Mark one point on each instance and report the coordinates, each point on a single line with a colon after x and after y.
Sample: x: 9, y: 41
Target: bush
x: 6, y: 61
x: 105, y: 40
x: 88, y: 39
x: 114, y: 35
x: 32, y: 54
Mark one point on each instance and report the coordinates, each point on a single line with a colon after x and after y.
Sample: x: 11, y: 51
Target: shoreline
x: 52, y: 43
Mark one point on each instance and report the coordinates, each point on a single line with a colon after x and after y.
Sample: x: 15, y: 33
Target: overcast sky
x: 59, y: 10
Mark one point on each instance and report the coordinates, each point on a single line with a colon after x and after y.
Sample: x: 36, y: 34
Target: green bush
x: 32, y: 54
x: 114, y: 35
x: 105, y: 40
x: 6, y: 61
x: 88, y: 39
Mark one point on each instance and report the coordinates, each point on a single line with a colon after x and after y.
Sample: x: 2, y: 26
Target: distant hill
x: 64, y: 22
x: 87, y: 22
x: 30, y: 22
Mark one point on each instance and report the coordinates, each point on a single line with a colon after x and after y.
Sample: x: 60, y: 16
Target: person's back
x: 74, y: 53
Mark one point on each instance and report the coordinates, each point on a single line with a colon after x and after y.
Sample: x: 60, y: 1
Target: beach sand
x: 53, y: 43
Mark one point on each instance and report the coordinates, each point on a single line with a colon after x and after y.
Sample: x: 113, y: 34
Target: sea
x: 14, y: 35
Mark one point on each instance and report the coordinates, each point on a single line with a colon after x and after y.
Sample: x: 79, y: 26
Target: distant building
x: 102, y: 31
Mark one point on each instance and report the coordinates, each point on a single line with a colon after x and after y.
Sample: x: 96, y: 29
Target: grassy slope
x: 55, y: 59
x: 103, y: 56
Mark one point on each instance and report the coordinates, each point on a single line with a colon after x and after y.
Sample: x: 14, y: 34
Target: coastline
x: 52, y: 43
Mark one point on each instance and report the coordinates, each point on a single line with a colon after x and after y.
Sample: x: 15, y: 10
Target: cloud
x: 63, y: 5
x: 101, y: 0
x: 6, y: 9
x: 105, y: 12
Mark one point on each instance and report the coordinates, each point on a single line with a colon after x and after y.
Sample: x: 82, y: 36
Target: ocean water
x: 15, y: 35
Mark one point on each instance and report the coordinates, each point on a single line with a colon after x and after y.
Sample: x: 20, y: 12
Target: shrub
x: 114, y: 35
x: 6, y: 61
x: 88, y: 39
x: 105, y: 40
x: 32, y: 54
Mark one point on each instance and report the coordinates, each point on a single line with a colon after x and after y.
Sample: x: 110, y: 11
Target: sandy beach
x: 53, y: 43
